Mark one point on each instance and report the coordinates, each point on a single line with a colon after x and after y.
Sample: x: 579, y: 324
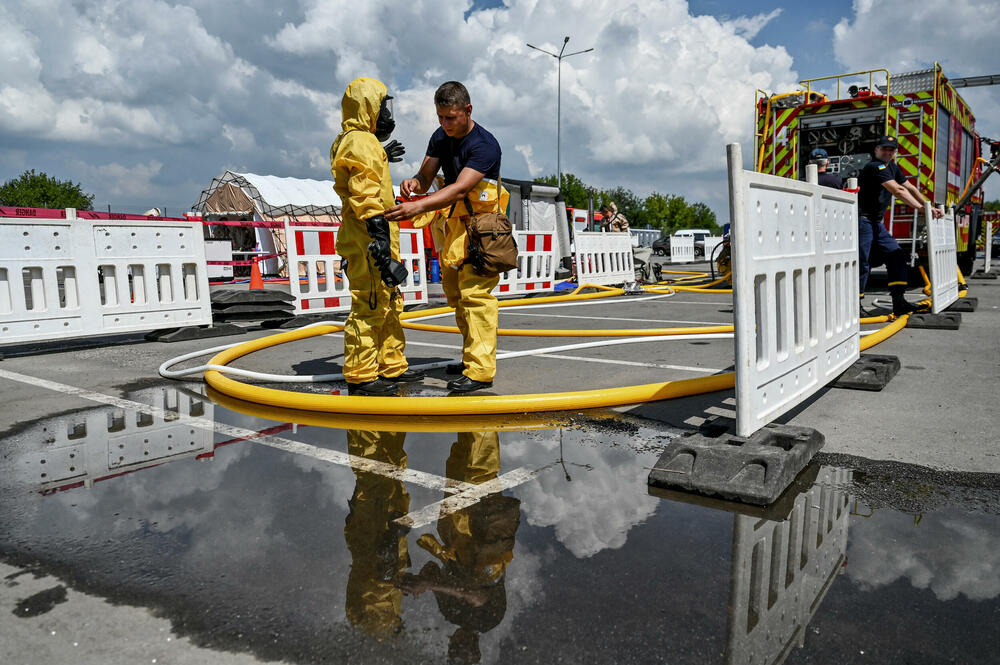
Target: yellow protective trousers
x: 477, y: 316
x: 373, y: 338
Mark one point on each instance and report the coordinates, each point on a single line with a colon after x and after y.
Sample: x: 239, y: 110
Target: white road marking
x: 633, y: 363
x: 471, y: 493
x: 618, y: 318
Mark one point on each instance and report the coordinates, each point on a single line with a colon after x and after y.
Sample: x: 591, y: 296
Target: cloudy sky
x: 144, y: 101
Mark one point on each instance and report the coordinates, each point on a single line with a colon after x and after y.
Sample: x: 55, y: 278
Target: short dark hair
x: 452, y: 93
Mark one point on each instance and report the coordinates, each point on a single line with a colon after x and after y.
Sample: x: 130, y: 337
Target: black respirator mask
x: 385, y: 124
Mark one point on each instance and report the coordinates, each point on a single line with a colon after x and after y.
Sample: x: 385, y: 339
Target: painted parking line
x: 431, y: 481
x: 619, y: 318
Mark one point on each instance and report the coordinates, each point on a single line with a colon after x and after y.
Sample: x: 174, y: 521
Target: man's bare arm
x: 911, y: 196
x: 467, y: 179
x: 421, y: 182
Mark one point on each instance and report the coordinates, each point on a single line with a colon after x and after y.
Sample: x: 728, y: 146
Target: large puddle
x: 518, y: 541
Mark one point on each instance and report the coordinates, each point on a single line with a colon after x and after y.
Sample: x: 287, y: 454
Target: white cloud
x: 652, y: 107
x: 951, y: 553
x: 133, y: 182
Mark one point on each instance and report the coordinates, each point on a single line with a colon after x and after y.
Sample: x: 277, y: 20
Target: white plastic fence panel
x: 644, y: 237
x: 411, y: 253
x: 711, y: 242
x: 988, y: 256
x: 604, y: 258
x: 536, y: 265
x: 681, y: 249
x: 942, y: 258
x: 219, y: 250
x: 74, y: 278
x: 795, y: 290
x: 154, y: 274
x: 315, y: 271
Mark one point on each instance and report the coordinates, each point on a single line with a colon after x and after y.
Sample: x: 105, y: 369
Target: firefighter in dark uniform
x: 879, y: 182
x: 822, y: 161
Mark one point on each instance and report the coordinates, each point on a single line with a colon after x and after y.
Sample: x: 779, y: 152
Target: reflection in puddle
x: 488, y: 544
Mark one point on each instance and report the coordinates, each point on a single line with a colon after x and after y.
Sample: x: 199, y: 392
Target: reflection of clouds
x: 605, y: 499
x: 950, y: 552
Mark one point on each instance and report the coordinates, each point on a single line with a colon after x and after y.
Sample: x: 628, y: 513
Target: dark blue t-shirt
x: 873, y: 198
x: 477, y: 150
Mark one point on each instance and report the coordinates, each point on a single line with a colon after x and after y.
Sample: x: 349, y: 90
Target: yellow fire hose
x: 477, y: 405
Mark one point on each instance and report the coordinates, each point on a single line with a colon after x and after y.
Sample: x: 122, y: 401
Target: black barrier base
x: 963, y: 305
x: 983, y: 275
x: 870, y: 372
x: 193, y: 332
x: 943, y: 321
x: 306, y: 319
x: 245, y: 297
x: 756, y: 469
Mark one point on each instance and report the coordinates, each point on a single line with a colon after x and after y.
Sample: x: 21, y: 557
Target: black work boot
x: 377, y: 388
x: 900, y: 305
x: 407, y: 376
x: 466, y: 385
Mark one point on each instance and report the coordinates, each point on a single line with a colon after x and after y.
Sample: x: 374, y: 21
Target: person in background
x: 822, y: 162
x: 469, y: 156
x: 878, y: 183
x: 612, y: 220
x: 374, y: 360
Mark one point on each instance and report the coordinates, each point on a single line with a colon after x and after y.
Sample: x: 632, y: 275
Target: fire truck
x: 939, y: 149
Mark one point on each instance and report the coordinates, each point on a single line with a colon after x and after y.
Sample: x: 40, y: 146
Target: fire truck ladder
x: 914, y: 138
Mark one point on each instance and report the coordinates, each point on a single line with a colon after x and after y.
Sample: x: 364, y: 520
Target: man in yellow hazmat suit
x: 374, y: 360
x: 469, y: 156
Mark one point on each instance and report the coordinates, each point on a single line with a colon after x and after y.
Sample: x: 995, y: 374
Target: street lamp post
x: 559, y: 57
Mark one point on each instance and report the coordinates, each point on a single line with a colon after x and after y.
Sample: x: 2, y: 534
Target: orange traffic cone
x: 256, y: 281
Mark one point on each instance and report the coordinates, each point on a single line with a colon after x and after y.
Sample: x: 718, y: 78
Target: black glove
x: 393, y: 272
x: 394, y: 150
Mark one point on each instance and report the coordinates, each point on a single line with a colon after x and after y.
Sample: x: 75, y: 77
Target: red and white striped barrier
x: 536, y: 265
x: 313, y: 259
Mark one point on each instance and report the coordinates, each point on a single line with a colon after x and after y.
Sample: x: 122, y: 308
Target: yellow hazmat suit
x: 373, y: 338
x: 476, y: 311
x: 379, y: 554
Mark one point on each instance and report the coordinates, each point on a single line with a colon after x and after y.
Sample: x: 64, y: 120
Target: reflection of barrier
x: 312, y: 255
x: 89, y: 446
x: 781, y: 571
x: 942, y: 259
x: 795, y: 289
x: 711, y: 242
x: 536, y: 265
x: 604, y: 258
x: 681, y: 249
x: 75, y: 278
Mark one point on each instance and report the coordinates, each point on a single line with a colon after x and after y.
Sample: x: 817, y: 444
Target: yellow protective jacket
x: 357, y: 160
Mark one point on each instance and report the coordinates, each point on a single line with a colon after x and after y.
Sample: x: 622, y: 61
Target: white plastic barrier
x: 536, y: 265
x: 795, y: 289
x: 681, y: 249
x: 312, y: 258
x: 63, y: 278
x: 942, y: 258
x: 988, y: 249
x: 411, y: 253
x: 312, y: 255
x: 711, y: 242
x: 604, y: 258
x: 644, y: 237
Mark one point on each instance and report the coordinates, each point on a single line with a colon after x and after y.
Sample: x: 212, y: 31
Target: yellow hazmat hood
x: 360, y: 105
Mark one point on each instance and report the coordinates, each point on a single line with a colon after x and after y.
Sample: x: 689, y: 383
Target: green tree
x: 992, y: 206
x: 38, y: 190
x: 574, y: 190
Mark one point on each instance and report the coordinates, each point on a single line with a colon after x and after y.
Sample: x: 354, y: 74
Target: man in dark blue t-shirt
x: 469, y: 157
x: 879, y: 182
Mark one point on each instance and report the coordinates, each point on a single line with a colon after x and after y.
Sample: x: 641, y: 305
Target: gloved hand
x: 393, y: 272
x: 394, y: 150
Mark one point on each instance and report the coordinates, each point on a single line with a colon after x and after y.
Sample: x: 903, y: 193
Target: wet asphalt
x: 167, y: 525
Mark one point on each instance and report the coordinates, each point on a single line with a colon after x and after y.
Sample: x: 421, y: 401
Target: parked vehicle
x: 661, y: 247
